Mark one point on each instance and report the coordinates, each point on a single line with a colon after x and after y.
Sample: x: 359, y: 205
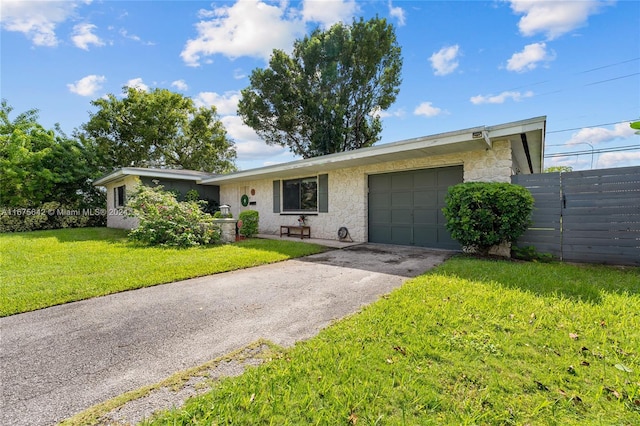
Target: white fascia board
x: 154, y: 173
x: 462, y: 140
x: 517, y: 127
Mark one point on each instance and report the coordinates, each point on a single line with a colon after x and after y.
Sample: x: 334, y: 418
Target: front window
x: 119, y: 196
x: 300, y: 194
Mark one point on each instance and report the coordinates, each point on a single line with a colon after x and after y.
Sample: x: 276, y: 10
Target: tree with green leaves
x: 39, y: 165
x: 561, y: 169
x: 43, y: 173
x: 158, y: 128
x: 326, y: 97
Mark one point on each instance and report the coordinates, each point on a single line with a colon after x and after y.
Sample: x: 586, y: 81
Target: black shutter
x: 276, y: 196
x: 323, y: 193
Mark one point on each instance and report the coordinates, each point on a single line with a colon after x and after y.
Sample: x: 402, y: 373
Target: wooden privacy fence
x: 587, y: 216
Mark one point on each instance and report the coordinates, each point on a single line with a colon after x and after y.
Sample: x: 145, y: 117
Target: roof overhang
x: 188, y: 175
x: 473, y: 139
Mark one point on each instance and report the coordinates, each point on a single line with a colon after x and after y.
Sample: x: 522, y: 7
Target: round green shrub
x: 250, y: 220
x: 483, y: 214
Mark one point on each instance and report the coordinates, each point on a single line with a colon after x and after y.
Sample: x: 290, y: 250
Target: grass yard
x: 46, y: 268
x: 472, y: 342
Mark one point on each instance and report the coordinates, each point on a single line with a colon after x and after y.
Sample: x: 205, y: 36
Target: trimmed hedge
x: 250, y: 220
x: 51, y: 215
x: 483, y: 214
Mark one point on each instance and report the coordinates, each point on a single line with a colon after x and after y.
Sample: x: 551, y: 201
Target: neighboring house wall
x: 116, y: 215
x: 182, y: 187
x: 348, y: 189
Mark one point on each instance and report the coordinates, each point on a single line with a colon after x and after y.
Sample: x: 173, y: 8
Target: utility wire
x: 590, y: 125
x: 611, y: 79
x: 595, y: 151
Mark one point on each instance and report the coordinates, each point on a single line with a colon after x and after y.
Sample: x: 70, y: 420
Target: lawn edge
x: 94, y: 415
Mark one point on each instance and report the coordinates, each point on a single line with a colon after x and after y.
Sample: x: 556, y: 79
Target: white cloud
x: 398, y: 13
x: 501, y: 98
x: 528, y: 59
x: 226, y: 104
x: 328, y: 13
x: 252, y: 151
x: 36, y: 20
x: 239, y: 74
x: 553, y: 18
x: 249, y: 146
x: 596, y: 135
x: 180, y: 85
x: 428, y: 110
x: 248, y: 28
x: 618, y: 159
x: 83, y: 36
x: 385, y: 114
x: 87, y: 86
x: 125, y: 34
x: 445, y: 61
x: 137, y: 83
x: 255, y: 27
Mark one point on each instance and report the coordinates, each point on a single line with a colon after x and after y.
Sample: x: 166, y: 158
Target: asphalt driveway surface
x: 58, y: 361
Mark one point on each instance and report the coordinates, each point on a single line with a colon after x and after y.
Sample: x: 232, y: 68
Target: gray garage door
x: 405, y: 208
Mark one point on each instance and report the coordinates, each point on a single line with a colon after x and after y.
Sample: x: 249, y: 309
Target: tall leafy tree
x: 326, y: 97
x: 159, y: 128
x: 38, y: 165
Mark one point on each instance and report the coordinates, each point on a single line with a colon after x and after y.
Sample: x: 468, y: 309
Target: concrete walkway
x: 59, y: 361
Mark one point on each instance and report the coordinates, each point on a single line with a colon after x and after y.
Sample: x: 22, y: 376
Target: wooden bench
x: 302, y: 231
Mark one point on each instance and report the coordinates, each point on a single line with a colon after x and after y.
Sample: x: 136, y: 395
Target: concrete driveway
x: 59, y: 361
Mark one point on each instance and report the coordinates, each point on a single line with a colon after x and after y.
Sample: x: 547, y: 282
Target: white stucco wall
x: 116, y: 217
x: 348, y: 190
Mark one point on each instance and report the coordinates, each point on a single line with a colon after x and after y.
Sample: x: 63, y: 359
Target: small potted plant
x: 302, y: 220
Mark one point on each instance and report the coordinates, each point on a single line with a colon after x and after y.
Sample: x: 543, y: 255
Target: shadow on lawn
x: 579, y: 282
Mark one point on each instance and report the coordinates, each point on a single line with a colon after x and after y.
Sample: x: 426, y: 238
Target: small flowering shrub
x: 165, y: 221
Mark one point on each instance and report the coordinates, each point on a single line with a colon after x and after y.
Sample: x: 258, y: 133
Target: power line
x: 590, y: 125
x: 607, y: 66
x: 578, y: 73
x: 594, y: 151
x: 612, y: 79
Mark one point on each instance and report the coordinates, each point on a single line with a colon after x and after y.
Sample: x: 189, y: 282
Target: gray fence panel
x: 601, y: 216
x: 545, y: 232
x: 597, y: 219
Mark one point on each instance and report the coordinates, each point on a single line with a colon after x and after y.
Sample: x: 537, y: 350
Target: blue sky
x: 466, y: 64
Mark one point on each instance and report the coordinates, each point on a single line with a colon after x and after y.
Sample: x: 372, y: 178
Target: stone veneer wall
x: 227, y: 229
x: 348, y: 190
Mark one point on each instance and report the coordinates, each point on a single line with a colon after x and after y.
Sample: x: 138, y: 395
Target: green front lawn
x: 46, y: 268
x: 472, y: 342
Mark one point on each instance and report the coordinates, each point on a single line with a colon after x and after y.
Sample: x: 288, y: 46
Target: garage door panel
x: 425, y: 198
x: 425, y: 178
x: 400, y: 234
x: 450, y: 176
x: 379, y: 201
x: 446, y: 241
x: 401, y: 181
x: 379, y: 233
x: 406, y: 207
x: 380, y: 217
x: 401, y: 199
x: 379, y: 183
x: 425, y: 216
x: 401, y: 216
x: 424, y: 234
